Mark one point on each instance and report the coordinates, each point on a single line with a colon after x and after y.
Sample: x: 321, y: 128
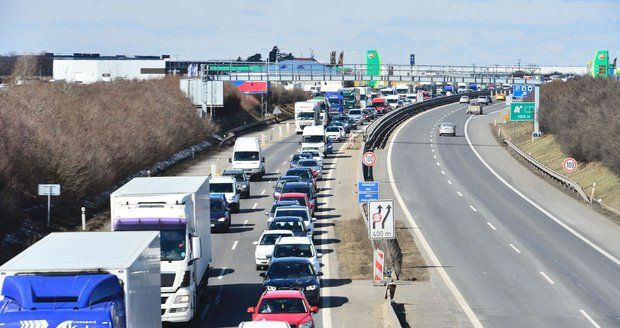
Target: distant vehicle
x: 293, y: 272
x: 474, y: 109
x: 388, y: 91
x: 307, y: 113
x: 380, y: 105
x: 483, y: 100
x: 447, y: 128
x: 248, y: 156
x: 335, y: 101
x: 373, y: 112
x: 335, y: 132
x: 297, y: 247
x: 314, y: 165
x: 300, y: 211
x: 353, y: 121
x: 220, y: 216
x: 272, y: 212
x: 500, y: 96
x: 340, y: 124
x: 226, y: 185
x: 464, y: 100
x: 265, y: 244
x: 314, y: 137
x: 392, y: 101
x: 241, y: 179
x: 107, y: 279
x: 277, y: 188
x: 315, y: 155
x: 412, y: 97
x: 351, y: 97
x: 298, y: 156
x: 304, y: 173
x: 301, y: 187
x: 289, y: 306
x: 344, y: 119
x: 301, y: 198
x: 366, y: 115
x: 264, y: 324
x: 461, y: 88
x: 291, y: 223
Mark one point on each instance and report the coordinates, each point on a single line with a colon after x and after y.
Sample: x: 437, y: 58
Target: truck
x: 472, y: 87
x: 314, y: 137
x: 461, y: 87
x: 351, y: 97
x: 307, y: 113
x: 474, y: 108
x: 387, y: 91
x: 179, y: 209
x: 324, y: 116
x: 403, y: 89
x: 83, y: 280
x: 335, y: 101
x: 365, y: 96
x: 248, y: 156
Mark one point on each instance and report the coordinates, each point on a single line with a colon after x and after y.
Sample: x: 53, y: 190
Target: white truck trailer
x: 177, y: 207
x: 82, y: 280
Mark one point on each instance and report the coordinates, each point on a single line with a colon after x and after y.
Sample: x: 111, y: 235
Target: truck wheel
x: 259, y: 267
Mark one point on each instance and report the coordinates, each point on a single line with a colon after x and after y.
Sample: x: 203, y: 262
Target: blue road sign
x: 364, y: 187
x: 412, y: 59
x: 365, y: 197
x: 522, y: 90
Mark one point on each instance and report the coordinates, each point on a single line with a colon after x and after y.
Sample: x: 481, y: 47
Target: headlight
x: 307, y: 324
x: 181, y: 299
x: 221, y: 219
x: 312, y: 287
x: 271, y: 288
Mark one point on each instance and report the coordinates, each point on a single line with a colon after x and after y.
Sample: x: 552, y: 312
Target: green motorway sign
x: 522, y: 111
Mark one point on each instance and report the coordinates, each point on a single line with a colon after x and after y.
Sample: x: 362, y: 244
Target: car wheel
x: 235, y: 208
x: 454, y: 134
x: 259, y: 267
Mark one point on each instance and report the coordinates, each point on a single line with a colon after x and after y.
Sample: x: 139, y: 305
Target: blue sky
x: 545, y: 32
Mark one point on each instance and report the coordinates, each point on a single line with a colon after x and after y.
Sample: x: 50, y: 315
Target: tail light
x: 314, y: 173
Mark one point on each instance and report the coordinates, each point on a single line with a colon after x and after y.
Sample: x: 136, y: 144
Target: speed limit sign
x: 369, y: 158
x: 569, y: 165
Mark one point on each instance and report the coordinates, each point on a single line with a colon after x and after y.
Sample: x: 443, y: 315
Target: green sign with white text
x: 522, y: 111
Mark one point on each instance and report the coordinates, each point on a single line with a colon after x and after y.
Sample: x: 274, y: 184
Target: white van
x: 392, y: 101
x: 314, y: 137
x: 226, y: 185
x: 248, y: 156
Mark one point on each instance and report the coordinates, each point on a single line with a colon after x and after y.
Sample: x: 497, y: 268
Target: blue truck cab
x: 335, y: 101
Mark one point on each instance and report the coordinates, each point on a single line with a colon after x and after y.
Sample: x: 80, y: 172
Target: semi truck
x: 307, y: 113
x: 83, y: 280
x: 323, y: 108
x: 351, y: 97
x: 177, y: 207
x: 365, y: 96
x: 336, y: 102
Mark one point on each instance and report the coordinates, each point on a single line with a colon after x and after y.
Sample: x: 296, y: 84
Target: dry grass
x: 87, y: 137
x: 354, y: 249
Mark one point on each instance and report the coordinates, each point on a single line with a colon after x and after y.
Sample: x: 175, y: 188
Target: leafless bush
x: 279, y: 96
x: 25, y: 67
x: 584, y: 116
x: 87, y: 137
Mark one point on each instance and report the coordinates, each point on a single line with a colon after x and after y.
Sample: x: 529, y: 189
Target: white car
x: 265, y: 244
x: 300, y: 211
x: 297, y: 247
x: 483, y: 100
x: 447, y: 128
x: 464, y: 100
x: 226, y: 185
x: 336, y: 133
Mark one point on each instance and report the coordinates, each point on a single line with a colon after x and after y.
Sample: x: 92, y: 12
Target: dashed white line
x: 491, y: 225
x: 222, y: 273
x: 589, y: 319
x: 254, y: 206
x: 245, y: 222
x: 278, y: 171
x: 443, y: 173
x: 234, y: 245
x: 284, y: 163
x: 434, y: 156
x: 515, y: 248
x: 458, y: 192
x: 433, y: 150
x: 263, y: 192
x: 473, y: 208
x: 437, y: 163
x: 547, y: 277
x: 449, y: 182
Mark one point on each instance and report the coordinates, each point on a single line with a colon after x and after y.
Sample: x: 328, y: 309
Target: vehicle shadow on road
x: 324, y: 209
x: 324, y: 195
x: 258, y: 196
x: 216, y: 272
x: 240, y: 228
x: 322, y: 225
x: 249, y: 210
x: 329, y: 282
x: 327, y: 216
x: 320, y: 242
x: 333, y: 301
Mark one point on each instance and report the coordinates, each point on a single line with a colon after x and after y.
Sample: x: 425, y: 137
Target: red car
x: 301, y: 198
x: 284, y: 305
x: 381, y: 105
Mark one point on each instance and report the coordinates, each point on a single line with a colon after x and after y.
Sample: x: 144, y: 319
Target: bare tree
x: 25, y: 67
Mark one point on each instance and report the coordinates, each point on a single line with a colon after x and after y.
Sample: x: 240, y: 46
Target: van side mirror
x: 262, y: 159
x: 196, y: 248
x: 314, y: 309
x: 229, y: 160
x: 251, y: 309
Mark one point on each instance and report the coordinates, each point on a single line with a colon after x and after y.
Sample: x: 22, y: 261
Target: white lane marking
x: 263, y: 192
x: 433, y: 150
x: 284, y: 163
x: 547, y: 277
x: 234, y: 245
x: 418, y: 232
x: 458, y: 192
x: 205, y: 312
x: 491, y: 225
x: 515, y: 248
x: 443, y: 173
x: 473, y: 208
x: 527, y: 199
x: 435, y: 156
x: 589, y: 319
x: 245, y: 222
x: 449, y: 182
x: 437, y: 163
x: 222, y: 273
x: 278, y: 171
x: 254, y: 206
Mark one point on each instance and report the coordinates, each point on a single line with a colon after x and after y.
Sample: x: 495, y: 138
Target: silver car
x: 447, y: 128
x: 313, y: 165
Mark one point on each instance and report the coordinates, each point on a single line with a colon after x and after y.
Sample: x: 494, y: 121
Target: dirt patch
x: 414, y: 267
x: 354, y: 250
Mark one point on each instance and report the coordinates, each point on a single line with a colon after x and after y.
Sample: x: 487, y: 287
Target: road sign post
x: 369, y: 158
x: 381, y: 222
x: 536, y: 133
x: 49, y: 190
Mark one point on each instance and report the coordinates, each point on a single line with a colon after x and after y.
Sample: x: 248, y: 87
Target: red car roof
x: 293, y: 194
x: 283, y: 294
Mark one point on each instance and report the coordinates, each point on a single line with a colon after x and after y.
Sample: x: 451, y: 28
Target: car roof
x: 283, y: 293
x: 222, y: 179
x: 286, y: 203
x: 264, y: 324
x: 294, y: 240
x: 307, y: 160
x: 297, y: 184
x: 290, y: 259
x: 288, y: 218
x: 277, y: 232
x: 299, y: 169
x: 292, y: 194
x: 294, y: 207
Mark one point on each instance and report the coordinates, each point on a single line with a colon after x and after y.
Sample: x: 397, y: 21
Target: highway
x: 235, y: 283
x: 513, y: 266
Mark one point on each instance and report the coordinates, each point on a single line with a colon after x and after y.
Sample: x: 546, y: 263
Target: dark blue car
x: 220, y: 214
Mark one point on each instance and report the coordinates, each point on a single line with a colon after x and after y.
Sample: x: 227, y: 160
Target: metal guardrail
x: 232, y: 134
x: 553, y: 174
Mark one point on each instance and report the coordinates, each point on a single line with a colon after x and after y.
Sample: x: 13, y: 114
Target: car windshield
x: 341, y: 118
x: 355, y: 112
x: 284, y: 212
x: 270, y: 239
x: 294, y: 188
x: 172, y: 245
x: 334, y: 101
x: 293, y: 250
x: 221, y: 187
x: 288, y: 269
x: 282, y: 305
x: 308, y: 163
x: 313, y: 139
x: 281, y: 182
x: 216, y: 205
x: 306, y: 116
x: 392, y: 101
x: 301, y: 174
x: 333, y: 129
x: 292, y: 225
x: 446, y: 125
x: 246, y: 156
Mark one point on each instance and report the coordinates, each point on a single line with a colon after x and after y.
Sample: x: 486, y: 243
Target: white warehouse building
x: 90, y: 68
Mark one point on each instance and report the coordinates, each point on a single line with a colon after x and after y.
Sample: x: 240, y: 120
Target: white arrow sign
x: 381, y: 219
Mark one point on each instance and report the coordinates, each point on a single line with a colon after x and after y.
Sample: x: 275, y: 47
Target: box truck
x: 83, y: 280
x: 307, y: 113
x: 177, y: 207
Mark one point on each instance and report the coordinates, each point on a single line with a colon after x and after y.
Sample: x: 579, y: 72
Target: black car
x: 220, y: 215
x: 277, y: 188
x: 304, y: 173
x: 302, y: 187
x: 293, y: 223
x: 294, y: 273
